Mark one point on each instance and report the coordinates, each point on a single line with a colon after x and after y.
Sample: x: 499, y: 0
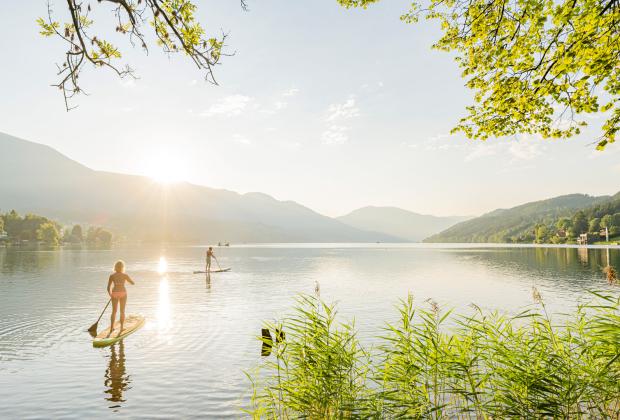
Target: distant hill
x: 36, y: 178
x: 508, y: 225
x: 398, y: 222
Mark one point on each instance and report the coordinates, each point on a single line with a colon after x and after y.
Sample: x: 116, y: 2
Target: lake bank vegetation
x: 436, y: 364
x: 32, y: 229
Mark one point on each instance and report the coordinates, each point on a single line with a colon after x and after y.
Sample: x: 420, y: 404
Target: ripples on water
x: 201, y: 332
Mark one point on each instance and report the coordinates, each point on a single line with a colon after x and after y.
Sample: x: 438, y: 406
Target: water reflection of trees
x: 565, y: 265
x: 15, y: 260
x: 116, y: 378
x: 582, y: 254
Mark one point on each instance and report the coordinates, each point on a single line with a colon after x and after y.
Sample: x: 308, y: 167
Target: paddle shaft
x: 106, y: 307
x: 93, y: 328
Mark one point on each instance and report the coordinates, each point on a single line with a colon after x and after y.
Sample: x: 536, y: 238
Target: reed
x: 435, y: 364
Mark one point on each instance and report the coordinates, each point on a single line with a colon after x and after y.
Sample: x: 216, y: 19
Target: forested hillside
x: 556, y: 220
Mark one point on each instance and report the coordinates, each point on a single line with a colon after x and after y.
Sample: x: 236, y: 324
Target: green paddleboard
x: 133, y: 323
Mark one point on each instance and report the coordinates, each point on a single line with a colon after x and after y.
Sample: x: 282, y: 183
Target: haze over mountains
x: 36, y: 178
x: 398, y: 222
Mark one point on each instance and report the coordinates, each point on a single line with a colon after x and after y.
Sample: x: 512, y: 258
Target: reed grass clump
x: 319, y: 370
x: 437, y: 365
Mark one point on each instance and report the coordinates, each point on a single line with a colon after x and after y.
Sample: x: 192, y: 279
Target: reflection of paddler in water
x: 116, y: 379
x: 208, y: 281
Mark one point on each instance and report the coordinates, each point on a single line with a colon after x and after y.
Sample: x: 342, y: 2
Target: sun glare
x: 166, y: 169
x: 163, y: 307
x: 166, y: 177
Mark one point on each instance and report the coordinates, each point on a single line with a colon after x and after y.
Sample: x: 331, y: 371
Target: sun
x: 166, y: 176
x: 165, y: 168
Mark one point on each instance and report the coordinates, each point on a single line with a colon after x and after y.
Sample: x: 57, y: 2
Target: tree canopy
x: 48, y: 233
x: 536, y: 66
x: 172, y: 22
x: 77, y: 234
x: 30, y: 227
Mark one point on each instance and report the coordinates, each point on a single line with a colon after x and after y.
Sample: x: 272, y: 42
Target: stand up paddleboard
x: 132, y: 323
x: 221, y: 270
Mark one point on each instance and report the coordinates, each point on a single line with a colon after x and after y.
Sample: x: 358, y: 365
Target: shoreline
x: 311, y: 245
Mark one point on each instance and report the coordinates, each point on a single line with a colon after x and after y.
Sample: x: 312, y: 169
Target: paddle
x: 218, y: 263
x: 93, y: 328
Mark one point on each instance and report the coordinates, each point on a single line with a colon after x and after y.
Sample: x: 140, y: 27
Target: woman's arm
x: 129, y: 279
x: 109, y: 284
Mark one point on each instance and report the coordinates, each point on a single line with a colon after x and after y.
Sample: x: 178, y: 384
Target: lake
x: 201, y: 333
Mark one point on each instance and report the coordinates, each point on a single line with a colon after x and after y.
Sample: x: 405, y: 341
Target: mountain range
x: 395, y: 221
x: 38, y: 179
x: 35, y: 178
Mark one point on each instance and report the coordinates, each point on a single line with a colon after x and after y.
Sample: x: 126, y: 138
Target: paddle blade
x: 93, y: 330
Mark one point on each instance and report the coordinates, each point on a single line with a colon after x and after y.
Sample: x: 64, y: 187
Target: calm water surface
x: 200, y: 335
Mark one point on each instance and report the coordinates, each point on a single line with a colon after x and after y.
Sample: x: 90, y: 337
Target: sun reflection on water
x: 163, y: 307
x: 162, y: 266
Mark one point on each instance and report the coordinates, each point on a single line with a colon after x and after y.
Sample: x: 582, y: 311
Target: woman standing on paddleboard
x: 118, y: 294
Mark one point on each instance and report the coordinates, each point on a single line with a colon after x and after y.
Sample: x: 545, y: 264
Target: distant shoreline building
x: 582, y: 239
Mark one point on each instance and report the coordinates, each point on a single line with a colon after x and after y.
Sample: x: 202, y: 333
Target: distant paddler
x: 211, y: 254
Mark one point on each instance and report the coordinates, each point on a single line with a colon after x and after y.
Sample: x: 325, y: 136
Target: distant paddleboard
x: 132, y: 323
x: 221, y: 270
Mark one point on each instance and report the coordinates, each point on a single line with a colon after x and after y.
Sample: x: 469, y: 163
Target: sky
x: 335, y: 109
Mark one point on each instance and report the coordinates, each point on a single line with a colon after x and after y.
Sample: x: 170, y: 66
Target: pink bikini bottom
x: 119, y: 295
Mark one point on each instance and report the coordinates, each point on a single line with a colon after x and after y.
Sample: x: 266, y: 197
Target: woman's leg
x: 114, y: 306
x: 123, y: 303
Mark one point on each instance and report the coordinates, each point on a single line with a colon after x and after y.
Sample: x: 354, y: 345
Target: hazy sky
x: 334, y: 109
